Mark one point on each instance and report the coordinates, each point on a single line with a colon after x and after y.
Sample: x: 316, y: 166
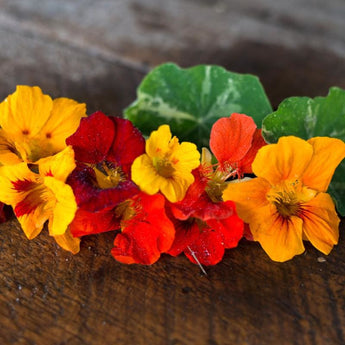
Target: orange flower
x: 287, y: 203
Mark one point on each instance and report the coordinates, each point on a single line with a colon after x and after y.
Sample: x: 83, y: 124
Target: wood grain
x: 97, y: 52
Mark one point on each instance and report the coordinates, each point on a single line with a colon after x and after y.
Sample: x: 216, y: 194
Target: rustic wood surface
x: 97, y: 52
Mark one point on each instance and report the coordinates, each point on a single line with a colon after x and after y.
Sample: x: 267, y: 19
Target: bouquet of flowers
x: 197, y: 162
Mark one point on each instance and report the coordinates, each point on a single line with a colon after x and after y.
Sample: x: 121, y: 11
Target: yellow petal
x: 158, y: 142
x: 59, y: 165
x: 64, y: 208
x: 8, y: 152
x: 24, y: 113
x: 68, y: 242
x: 281, y: 240
x: 286, y: 160
x: 321, y: 223
x: 145, y: 175
x: 33, y: 222
x: 187, y: 157
x: 12, y: 192
x: 249, y: 197
x: 328, y: 153
x: 63, y: 122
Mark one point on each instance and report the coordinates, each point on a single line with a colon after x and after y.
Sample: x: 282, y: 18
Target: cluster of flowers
x: 90, y: 174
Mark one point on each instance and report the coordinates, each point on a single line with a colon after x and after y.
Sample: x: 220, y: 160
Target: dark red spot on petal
x: 25, y: 131
x: 24, y: 207
x: 48, y: 135
x: 22, y: 185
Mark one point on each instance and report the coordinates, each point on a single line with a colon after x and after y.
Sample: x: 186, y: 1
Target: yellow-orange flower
x: 287, y: 203
x: 166, y: 166
x: 43, y: 196
x: 34, y: 126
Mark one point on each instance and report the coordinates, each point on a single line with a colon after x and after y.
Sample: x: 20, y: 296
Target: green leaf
x: 191, y: 100
x: 305, y: 117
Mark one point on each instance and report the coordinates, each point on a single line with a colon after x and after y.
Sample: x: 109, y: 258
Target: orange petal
x: 68, y: 242
x: 321, y: 223
x: 285, y: 160
x: 231, y: 137
x: 249, y: 197
x: 280, y: 239
x: 328, y: 153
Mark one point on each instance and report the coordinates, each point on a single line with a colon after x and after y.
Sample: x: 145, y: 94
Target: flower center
x: 108, y: 176
x: 215, y: 187
x: 163, y: 167
x: 288, y: 196
x: 287, y: 205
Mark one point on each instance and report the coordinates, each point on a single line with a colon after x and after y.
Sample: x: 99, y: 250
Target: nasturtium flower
x: 146, y: 231
x: 287, y: 202
x: 37, y: 197
x: 235, y: 141
x: 205, y: 224
x: 33, y: 126
x: 105, y: 148
x: 166, y: 166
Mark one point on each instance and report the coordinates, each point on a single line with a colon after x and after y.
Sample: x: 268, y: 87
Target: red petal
x: 230, y: 228
x: 184, y: 209
x: 186, y: 233
x: 87, y: 223
x: 245, y: 165
x: 208, y: 248
x: 128, y: 144
x: 94, y: 199
x: 231, y: 138
x: 148, y: 234
x: 92, y: 140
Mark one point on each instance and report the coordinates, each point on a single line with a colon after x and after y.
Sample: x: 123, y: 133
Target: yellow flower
x: 34, y: 126
x: 166, y: 166
x: 43, y: 196
x: 287, y: 203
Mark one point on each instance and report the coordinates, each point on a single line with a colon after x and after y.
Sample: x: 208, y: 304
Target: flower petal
x: 245, y: 164
x: 249, y: 196
x: 159, y: 140
x: 207, y: 248
x: 88, y: 223
x: 186, y: 233
x: 280, y: 239
x: 65, y: 206
x: 230, y: 228
x: 145, y: 236
x: 68, y: 242
x: 128, y: 144
x: 63, y: 122
x: 8, y: 152
x: 328, y: 153
x: 92, y: 198
x: 288, y: 159
x: 59, y: 165
x: 321, y: 223
x: 24, y: 113
x: 92, y: 140
x: 231, y: 138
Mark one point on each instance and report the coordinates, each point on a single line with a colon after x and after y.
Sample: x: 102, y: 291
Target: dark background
x: 97, y: 52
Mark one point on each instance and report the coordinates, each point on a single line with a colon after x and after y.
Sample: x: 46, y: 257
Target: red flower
x: 205, y: 225
x: 146, y: 231
x: 235, y: 141
x: 105, y: 147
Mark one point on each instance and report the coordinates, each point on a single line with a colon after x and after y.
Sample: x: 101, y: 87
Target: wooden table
x: 97, y: 52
